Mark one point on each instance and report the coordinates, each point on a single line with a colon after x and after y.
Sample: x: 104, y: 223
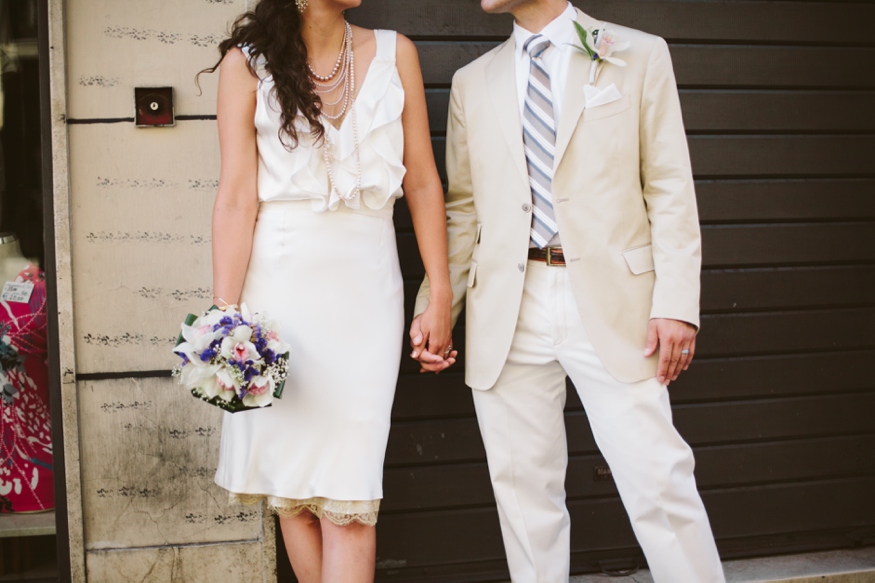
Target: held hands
x: 431, y: 340
x: 676, y: 341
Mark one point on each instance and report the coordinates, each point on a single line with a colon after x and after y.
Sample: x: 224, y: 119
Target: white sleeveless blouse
x: 301, y: 174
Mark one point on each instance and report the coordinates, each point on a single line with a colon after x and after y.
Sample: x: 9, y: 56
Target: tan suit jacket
x: 623, y: 199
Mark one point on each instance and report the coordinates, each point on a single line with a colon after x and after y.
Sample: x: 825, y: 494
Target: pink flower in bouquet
x: 238, y: 345
x: 240, y: 352
x: 260, y: 392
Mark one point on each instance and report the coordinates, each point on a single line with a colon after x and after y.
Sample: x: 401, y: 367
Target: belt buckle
x: 549, y: 251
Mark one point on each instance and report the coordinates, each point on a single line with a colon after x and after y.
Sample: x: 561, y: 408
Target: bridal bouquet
x: 232, y: 359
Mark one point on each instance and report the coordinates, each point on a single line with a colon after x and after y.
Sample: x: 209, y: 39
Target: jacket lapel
x: 501, y: 85
x: 572, y: 98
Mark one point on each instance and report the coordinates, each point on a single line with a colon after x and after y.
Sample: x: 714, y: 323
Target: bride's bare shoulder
x: 406, y: 51
x: 236, y: 70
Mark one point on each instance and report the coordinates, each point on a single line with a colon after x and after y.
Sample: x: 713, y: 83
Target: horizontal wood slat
x: 770, y: 333
x: 788, y: 244
x: 778, y: 111
x: 785, y: 200
x: 781, y: 155
x: 771, y: 67
x: 775, y: 376
x: 787, y: 288
x: 705, y: 21
x: 702, y: 66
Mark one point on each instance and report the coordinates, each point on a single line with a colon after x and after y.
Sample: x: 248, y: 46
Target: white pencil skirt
x: 333, y: 283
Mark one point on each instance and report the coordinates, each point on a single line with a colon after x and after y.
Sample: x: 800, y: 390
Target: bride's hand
x: 431, y: 339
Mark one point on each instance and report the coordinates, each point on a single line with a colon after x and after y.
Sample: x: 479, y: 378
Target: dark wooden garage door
x: 779, y: 104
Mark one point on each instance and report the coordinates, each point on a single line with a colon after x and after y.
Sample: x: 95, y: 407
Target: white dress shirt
x: 561, y: 33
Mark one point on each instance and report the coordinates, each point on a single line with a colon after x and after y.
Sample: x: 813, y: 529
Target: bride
x: 322, y: 126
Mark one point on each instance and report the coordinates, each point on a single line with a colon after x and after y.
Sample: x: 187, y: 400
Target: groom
x: 574, y: 239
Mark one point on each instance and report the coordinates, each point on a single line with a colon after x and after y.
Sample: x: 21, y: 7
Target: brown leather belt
x: 550, y: 255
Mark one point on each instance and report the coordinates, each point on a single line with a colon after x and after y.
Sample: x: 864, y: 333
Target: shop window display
x: 26, y: 478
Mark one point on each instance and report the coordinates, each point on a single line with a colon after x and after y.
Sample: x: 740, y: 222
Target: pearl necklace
x: 346, y: 78
x: 346, y: 64
x: 346, y: 37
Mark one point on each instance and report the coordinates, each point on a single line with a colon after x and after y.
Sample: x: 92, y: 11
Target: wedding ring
x: 685, y: 352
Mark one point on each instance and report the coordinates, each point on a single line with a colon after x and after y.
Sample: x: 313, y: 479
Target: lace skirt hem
x: 339, y: 512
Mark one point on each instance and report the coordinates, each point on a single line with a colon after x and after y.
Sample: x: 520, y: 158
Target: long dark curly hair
x: 273, y: 30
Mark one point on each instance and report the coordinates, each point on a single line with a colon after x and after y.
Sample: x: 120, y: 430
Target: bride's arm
x: 425, y: 198
x: 236, y: 204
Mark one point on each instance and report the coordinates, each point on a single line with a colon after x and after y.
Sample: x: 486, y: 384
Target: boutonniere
x: 604, y: 44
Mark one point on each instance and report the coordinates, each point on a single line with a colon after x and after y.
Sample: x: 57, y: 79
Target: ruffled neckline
x: 379, y: 103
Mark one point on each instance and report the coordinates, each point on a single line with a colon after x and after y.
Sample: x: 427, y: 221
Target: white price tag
x: 17, y: 292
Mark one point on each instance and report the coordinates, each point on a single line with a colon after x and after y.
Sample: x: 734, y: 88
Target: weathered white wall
x: 140, y: 197
x: 139, y: 227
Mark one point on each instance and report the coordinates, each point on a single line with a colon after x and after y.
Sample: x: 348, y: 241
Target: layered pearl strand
x: 343, y: 76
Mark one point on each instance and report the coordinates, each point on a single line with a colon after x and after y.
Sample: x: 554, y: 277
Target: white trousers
x: 522, y: 423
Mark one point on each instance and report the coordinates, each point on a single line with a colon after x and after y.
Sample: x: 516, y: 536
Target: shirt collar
x: 559, y: 31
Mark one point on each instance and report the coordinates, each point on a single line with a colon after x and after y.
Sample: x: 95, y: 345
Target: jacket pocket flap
x: 639, y: 259
x: 472, y: 274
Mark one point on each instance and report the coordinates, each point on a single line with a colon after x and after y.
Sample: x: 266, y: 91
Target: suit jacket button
x: 527, y: 208
x: 522, y: 267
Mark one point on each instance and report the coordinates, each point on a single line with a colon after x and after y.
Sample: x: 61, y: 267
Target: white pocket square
x: 596, y: 97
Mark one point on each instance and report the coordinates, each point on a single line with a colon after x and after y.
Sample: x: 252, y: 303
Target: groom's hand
x: 428, y: 362
x: 676, y: 341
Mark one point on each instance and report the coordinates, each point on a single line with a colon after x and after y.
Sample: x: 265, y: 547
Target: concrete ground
x: 855, y: 566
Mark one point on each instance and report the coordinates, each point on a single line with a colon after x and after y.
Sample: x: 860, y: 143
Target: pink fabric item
x: 26, y: 473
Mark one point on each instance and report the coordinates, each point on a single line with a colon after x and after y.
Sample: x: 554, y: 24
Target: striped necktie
x: 539, y: 138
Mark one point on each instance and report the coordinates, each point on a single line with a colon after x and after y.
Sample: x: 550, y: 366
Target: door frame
x: 56, y: 232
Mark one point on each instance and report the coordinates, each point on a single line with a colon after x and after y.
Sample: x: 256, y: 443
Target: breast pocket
x: 608, y: 110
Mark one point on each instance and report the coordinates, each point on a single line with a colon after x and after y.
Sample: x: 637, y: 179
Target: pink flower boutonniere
x: 604, y: 44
